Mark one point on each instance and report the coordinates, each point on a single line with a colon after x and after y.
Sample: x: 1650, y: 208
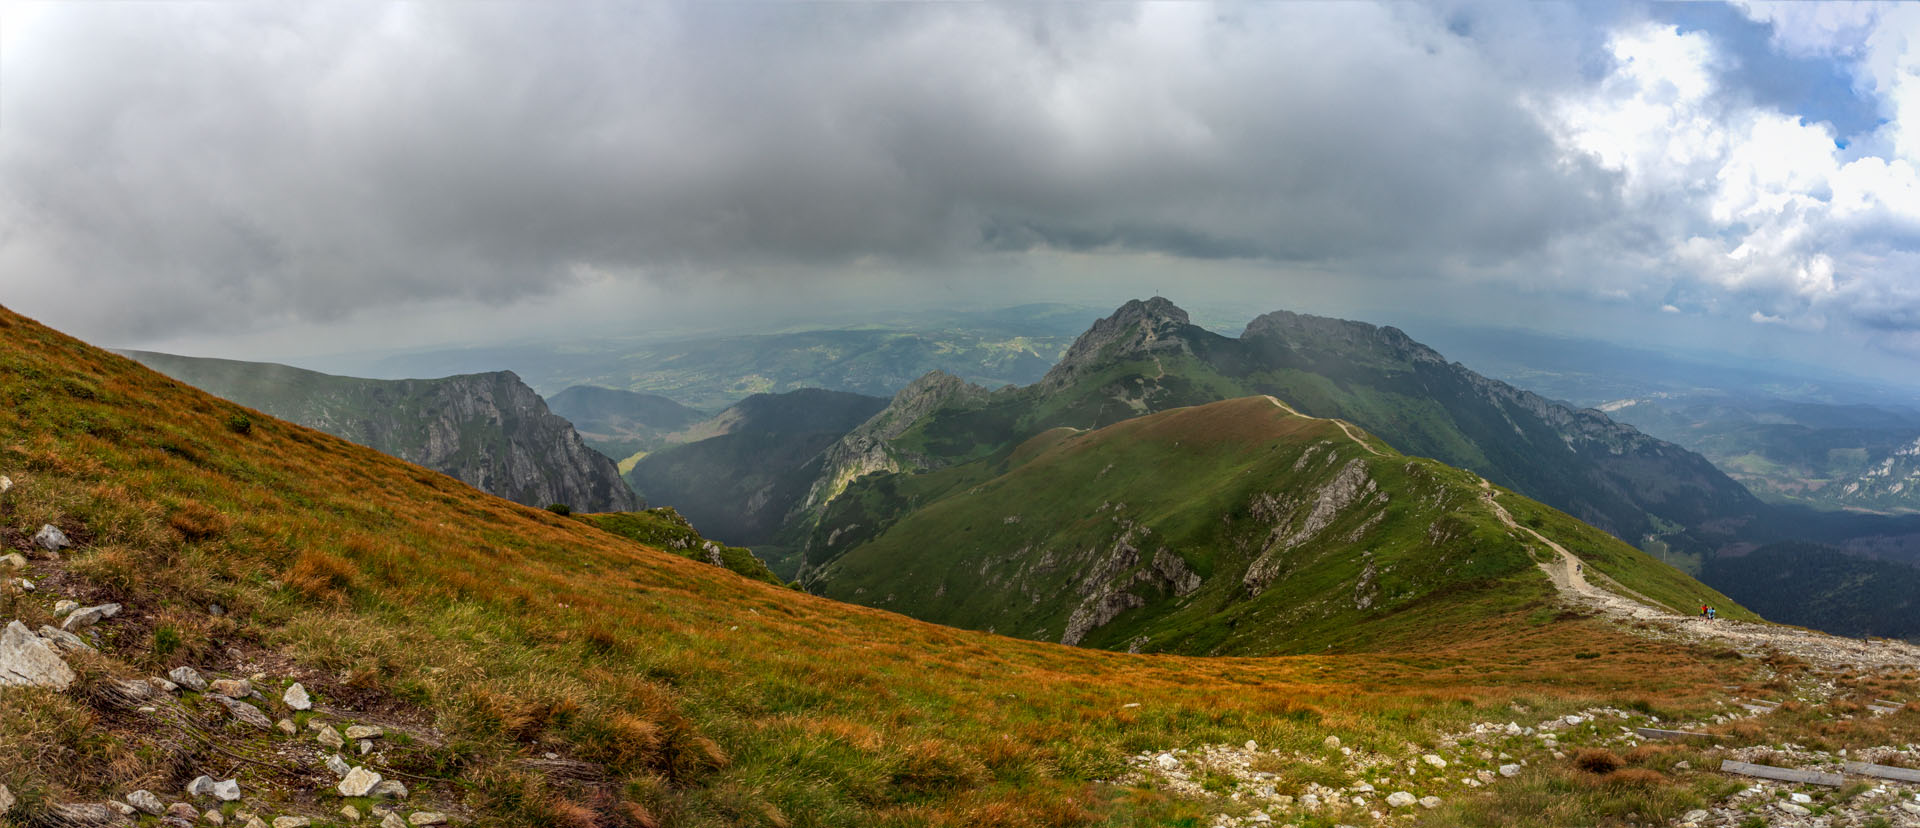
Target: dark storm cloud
x: 223, y: 165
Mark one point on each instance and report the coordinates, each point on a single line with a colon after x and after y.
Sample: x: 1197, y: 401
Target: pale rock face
x: 51, y: 538
x: 189, y: 678
x: 147, y: 803
x: 329, y: 738
x: 359, y: 782
x: 28, y: 661
x: 89, y: 616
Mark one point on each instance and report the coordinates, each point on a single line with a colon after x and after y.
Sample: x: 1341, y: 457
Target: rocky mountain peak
x: 1304, y: 332
x: 1137, y: 328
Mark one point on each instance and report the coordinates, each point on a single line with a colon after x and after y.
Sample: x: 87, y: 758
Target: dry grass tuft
x: 1598, y: 761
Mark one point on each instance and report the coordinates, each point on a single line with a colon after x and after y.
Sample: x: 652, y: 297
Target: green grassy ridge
x: 1003, y: 543
x: 663, y: 528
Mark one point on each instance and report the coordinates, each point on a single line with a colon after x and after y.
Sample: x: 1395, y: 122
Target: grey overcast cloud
x: 278, y: 179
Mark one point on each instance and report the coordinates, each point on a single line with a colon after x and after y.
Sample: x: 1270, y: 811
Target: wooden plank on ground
x: 1657, y: 733
x: 1883, y: 771
x: 1832, y: 780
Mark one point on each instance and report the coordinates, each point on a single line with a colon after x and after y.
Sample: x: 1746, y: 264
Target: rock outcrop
x: 28, y: 661
x: 491, y: 431
x: 867, y: 449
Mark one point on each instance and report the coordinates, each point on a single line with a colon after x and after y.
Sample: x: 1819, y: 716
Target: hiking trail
x: 1343, y: 424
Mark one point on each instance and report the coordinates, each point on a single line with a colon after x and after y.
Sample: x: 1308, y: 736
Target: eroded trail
x: 1568, y: 574
x: 1343, y: 424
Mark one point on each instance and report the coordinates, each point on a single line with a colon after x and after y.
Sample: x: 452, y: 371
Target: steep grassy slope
x: 1236, y: 527
x: 681, y: 694
x: 622, y: 423
x: 489, y: 430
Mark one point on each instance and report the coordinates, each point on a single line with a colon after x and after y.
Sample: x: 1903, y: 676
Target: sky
x: 281, y: 179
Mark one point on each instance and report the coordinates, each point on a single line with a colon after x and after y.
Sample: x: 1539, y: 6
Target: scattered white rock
x: 296, y: 698
x: 89, y: 616
x: 426, y: 818
x: 1401, y: 799
x: 1801, y: 798
x: 147, y: 803
x: 244, y: 712
x: 349, y: 813
x: 62, y: 607
x: 1794, y: 809
x: 389, y: 789
x: 189, y: 678
x: 1429, y: 802
x: 338, y: 765
x: 1509, y: 771
x: 6, y: 800
x: 28, y: 661
x: 64, y: 640
x: 1167, y: 761
x: 227, y: 790
x: 286, y: 726
x: 358, y: 782
x: 213, y: 818
x: 329, y: 738
x: 365, y: 732
x: 200, y: 786
x: 392, y: 820
x: 51, y: 538
x: 1332, y: 743
x: 233, y: 688
x: 291, y: 822
x: 15, y: 560
x: 1434, y: 760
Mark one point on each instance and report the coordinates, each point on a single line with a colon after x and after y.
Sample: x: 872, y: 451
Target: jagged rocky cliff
x: 490, y: 430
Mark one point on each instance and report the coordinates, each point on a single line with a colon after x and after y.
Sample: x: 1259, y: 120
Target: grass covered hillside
x: 1237, y: 527
x: 561, y: 675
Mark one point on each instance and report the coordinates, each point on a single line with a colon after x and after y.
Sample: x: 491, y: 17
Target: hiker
x: 1712, y: 613
x: 1703, y: 610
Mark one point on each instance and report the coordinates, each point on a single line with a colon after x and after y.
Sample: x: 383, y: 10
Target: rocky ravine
x: 1245, y: 785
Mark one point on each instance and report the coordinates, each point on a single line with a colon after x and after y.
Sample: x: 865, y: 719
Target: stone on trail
x: 1801, y: 798
x: 349, y: 813
x: 1794, y: 809
x: 365, y: 732
x: 200, y: 786
x: 1429, y: 802
x: 1434, y: 760
x: 15, y: 560
x: 291, y: 822
x: 359, y: 782
x: 1696, y: 815
x: 84, y: 813
x: 89, y: 616
x: 51, y: 538
x: 189, y: 678
x: 28, y: 661
x: 392, y: 820
x: 214, y: 818
x: 183, y: 811
x: 233, y: 688
x: 254, y: 822
x: 227, y: 790
x: 286, y: 726
x: 296, y: 698
x: 389, y: 789
x: 1509, y: 770
x: 1400, y: 799
x: 427, y: 818
x: 245, y: 712
x: 1166, y: 761
x: 338, y: 765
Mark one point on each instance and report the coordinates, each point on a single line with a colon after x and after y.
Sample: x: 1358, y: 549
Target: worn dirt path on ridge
x: 1344, y: 426
x: 1567, y: 573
